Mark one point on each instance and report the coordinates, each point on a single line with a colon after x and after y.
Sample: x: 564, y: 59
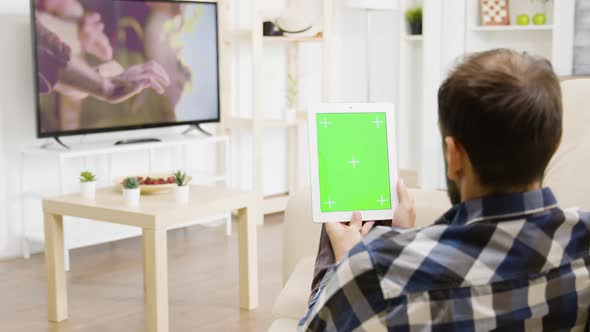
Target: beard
x: 453, y: 192
x: 452, y: 188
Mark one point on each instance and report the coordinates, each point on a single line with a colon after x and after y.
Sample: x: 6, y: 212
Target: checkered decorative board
x: 495, y: 12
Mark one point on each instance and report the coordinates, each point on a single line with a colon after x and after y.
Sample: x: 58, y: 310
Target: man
x: 505, y: 257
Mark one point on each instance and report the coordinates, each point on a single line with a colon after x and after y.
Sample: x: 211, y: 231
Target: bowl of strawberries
x: 154, y: 184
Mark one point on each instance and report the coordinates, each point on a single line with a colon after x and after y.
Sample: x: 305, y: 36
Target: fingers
x: 152, y: 67
x: 357, y: 220
x: 333, y: 228
x: 110, y: 69
x: 92, y: 18
x: 93, y: 38
x: 403, y: 193
x: 101, y: 47
x: 153, y: 83
x: 367, y: 227
x: 405, y: 213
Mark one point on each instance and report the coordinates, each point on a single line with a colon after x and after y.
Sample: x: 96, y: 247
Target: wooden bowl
x: 152, y: 189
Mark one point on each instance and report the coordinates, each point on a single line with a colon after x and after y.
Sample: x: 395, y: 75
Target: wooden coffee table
x: 154, y: 215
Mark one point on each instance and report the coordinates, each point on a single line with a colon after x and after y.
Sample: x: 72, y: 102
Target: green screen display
x: 353, y: 161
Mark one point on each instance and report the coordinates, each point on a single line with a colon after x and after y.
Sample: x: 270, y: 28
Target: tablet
x: 353, y: 164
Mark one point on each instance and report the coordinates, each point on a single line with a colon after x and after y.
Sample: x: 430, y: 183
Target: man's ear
x: 455, y: 155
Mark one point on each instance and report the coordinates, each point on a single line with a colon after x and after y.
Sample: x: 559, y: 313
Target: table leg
x: 248, y: 258
x: 57, y: 297
x: 156, y: 279
x: 144, y: 261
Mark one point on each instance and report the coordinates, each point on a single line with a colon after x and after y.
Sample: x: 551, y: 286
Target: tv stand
x: 198, y: 128
x: 58, y: 140
x: 139, y: 141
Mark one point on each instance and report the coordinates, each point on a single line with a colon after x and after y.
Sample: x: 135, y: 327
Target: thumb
x: 357, y: 220
x: 403, y: 193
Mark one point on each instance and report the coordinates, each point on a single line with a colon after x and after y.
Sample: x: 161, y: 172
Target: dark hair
x: 505, y: 109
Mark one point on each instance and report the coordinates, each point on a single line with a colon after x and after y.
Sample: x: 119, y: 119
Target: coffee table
x: 154, y: 215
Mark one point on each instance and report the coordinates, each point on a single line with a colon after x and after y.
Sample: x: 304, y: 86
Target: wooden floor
x: 106, y: 290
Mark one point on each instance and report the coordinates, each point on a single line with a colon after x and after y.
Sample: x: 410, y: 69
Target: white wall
x: 17, y: 110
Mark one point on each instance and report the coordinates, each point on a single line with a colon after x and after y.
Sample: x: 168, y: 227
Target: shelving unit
x: 508, y: 28
x: 257, y: 123
x: 414, y: 38
x: 552, y: 40
x: 449, y: 32
x: 410, y: 103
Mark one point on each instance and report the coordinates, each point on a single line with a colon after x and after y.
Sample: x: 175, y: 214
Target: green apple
x: 539, y: 19
x: 523, y: 19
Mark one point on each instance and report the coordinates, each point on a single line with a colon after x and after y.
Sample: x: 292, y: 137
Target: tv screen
x: 106, y: 65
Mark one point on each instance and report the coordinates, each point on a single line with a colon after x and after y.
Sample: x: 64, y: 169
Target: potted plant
x: 182, y: 189
x: 292, y: 95
x: 88, y: 185
x: 414, y: 18
x: 131, y: 191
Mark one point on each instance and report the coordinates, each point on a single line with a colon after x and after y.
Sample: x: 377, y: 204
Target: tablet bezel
x: 345, y: 216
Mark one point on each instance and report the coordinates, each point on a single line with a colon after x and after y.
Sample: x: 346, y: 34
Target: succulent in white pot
x: 88, y: 185
x: 131, y: 191
x: 182, y: 189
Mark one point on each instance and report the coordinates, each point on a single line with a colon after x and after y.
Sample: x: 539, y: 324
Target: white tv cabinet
x: 78, y: 235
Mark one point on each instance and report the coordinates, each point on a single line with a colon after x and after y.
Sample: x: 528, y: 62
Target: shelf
x: 79, y: 150
x: 512, y: 28
x: 243, y: 35
x: 248, y: 123
x: 275, y: 204
x: 414, y: 38
x: 302, y: 39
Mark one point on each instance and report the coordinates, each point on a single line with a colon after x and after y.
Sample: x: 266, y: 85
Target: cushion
x: 292, y: 301
x: 430, y: 205
x: 284, y: 325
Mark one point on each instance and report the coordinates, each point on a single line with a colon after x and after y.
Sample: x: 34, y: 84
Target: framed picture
x: 495, y: 12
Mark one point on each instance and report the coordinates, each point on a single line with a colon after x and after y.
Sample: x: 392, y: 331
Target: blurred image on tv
x: 104, y: 65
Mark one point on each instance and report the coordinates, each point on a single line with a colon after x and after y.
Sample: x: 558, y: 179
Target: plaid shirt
x: 512, y: 263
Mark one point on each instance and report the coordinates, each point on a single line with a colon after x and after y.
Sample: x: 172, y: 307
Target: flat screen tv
x: 110, y: 65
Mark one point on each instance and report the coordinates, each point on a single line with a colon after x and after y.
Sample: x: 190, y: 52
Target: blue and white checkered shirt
x: 509, y: 263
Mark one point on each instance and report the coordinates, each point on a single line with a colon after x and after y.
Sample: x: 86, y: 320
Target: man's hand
x: 345, y: 236
x: 134, y: 80
x: 405, y: 213
x: 93, y: 39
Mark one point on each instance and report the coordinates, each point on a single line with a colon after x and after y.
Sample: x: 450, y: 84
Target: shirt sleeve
x: 350, y: 295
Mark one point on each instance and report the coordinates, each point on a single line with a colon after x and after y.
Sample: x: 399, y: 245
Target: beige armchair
x: 568, y: 176
x: 301, y: 239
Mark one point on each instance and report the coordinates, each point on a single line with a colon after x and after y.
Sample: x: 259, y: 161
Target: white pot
x: 131, y: 196
x: 182, y: 194
x: 88, y: 190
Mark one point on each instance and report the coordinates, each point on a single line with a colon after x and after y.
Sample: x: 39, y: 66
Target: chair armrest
x: 292, y: 301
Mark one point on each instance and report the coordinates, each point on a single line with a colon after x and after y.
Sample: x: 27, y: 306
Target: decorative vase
x: 416, y: 28
x: 88, y: 190
x: 131, y: 196
x: 182, y: 194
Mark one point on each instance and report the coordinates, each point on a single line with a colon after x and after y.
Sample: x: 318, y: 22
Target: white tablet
x: 353, y: 162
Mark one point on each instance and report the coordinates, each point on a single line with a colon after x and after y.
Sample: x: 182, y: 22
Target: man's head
x: 500, y: 115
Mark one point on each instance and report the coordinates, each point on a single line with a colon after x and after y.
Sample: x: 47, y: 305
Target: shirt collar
x: 499, y: 208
